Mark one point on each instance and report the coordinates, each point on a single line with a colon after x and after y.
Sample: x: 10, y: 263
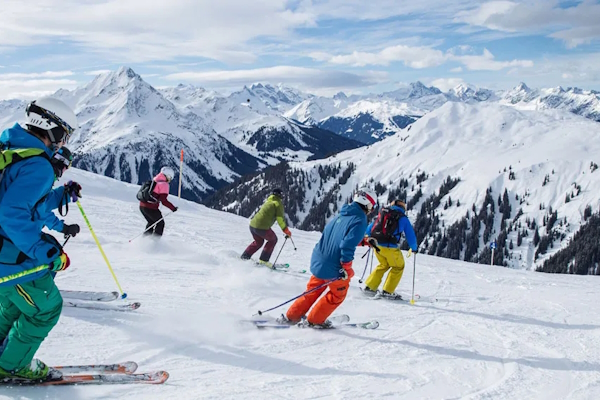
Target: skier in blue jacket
x: 30, y: 303
x: 332, y: 260
x: 386, y: 230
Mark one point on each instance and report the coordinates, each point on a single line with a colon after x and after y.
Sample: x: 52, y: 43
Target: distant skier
x: 332, y: 259
x: 61, y: 161
x: 260, y: 228
x: 151, y: 194
x: 387, y: 229
x: 31, y: 304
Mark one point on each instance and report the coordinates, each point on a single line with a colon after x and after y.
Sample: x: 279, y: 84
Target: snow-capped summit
x: 467, y: 93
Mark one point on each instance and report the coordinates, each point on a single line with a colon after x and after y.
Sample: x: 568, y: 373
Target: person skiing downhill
x: 30, y: 305
x: 332, y: 260
x: 159, y: 194
x: 389, y: 254
x: 260, y: 228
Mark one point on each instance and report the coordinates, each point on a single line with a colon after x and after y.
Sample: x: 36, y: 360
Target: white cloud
x: 31, y: 88
x: 304, y: 77
x: 414, y: 57
x: 574, y: 25
x: 133, y: 30
x: 32, y: 75
x: 97, y: 72
x: 486, y: 62
x: 421, y: 57
x: 445, y: 84
x: 457, y: 69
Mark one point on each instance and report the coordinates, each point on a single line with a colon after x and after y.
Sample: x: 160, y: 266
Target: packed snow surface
x: 493, y: 333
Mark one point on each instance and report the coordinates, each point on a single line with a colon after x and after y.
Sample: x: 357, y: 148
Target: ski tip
x: 124, y: 296
x: 129, y: 367
x: 158, y: 377
x: 373, y: 324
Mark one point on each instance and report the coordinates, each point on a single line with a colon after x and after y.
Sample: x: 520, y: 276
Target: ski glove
x: 175, y: 209
x: 346, y: 272
x: 74, y: 190
x: 70, y: 230
x: 287, y: 232
x: 61, y: 263
x: 372, y: 242
x: 411, y: 251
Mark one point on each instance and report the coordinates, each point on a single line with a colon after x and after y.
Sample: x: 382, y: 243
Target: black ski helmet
x: 278, y: 192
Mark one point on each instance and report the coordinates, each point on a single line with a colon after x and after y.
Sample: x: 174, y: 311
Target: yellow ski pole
x: 123, y: 295
x: 23, y: 273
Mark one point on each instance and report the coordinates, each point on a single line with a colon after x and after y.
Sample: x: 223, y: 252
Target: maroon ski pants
x: 260, y: 235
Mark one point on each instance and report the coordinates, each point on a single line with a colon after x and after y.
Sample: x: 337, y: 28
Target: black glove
x: 71, y: 230
x: 73, y: 189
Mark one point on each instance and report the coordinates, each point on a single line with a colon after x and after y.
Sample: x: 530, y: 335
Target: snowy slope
x: 494, y: 333
x: 538, y: 157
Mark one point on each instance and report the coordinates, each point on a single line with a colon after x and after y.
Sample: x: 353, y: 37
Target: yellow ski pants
x: 389, y: 259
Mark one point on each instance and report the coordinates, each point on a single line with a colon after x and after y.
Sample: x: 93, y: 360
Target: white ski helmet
x: 52, y: 116
x: 365, y: 197
x: 168, y: 173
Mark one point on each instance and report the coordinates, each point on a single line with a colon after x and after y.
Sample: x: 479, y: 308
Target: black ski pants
x: 153, y: 215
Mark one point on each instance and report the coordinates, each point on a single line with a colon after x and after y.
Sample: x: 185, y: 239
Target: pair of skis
x: 338, y: 321
x: 95, y: 374
x: 281, y: 267
x: 95, y: 301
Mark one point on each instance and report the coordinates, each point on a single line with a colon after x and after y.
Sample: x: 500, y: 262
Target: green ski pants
x: 28, y: 312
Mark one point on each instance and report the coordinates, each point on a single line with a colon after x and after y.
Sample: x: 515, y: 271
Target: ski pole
x: 366, y: 264
x: 412, y: 299
x: 280, y: 250
x: 67, y: 237
x: 23, y: 273
x: 150, y: 227
x: 293, y: 244
x: 371, y: 268
x: 123, y: 295
x: 300, y: 295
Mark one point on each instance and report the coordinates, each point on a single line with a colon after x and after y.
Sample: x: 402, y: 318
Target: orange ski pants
x: 324, y: 307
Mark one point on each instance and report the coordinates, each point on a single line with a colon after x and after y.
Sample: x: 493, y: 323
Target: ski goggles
x: 61, y: 161
x: 61, y: 132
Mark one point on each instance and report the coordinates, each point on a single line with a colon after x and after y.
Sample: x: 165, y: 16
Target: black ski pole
x: 282, y: 246
x: 366, y: 264
x: 293, y: 244
x: 300, y: 295
x: 67, y: 237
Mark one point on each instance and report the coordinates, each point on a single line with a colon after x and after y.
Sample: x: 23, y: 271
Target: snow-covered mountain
x: 129, y: 130
x: 575, y: 100
x: 252, y: 119
x: 471, y: 173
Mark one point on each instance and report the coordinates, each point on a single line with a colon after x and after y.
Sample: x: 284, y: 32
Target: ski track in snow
x: 494, y: 333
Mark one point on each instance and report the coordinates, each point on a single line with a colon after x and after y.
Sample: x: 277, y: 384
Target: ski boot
x: 391, y: 296
x: 325, y: 325
x: 37, y: 371
x: 367, y: 291
x: 283, y: 320
x: 266, y: 264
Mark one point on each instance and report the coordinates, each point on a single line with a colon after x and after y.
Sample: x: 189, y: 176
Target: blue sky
x: 355, y: 46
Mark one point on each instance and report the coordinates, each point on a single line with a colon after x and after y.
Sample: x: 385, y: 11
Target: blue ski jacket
x: 338, y: 242
x: 404, y: 226
x: 24, y: 207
